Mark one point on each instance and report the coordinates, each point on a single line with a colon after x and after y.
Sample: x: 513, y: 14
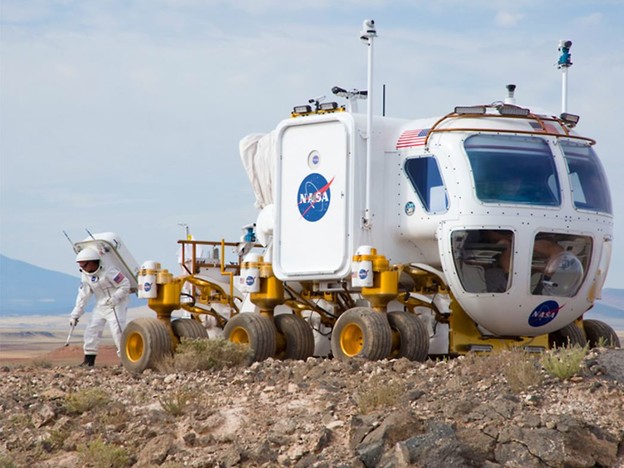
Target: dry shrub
x: 176, y: 403
x: 54, y: 441
x: 100, y: 454
x: 86, y: 400
x: 519, y: 367
x: 116, y: 413
x: 42, y: 363
x: 206, y: 354
x: 6, y: 462
x: 564, y: 362
x: 378, y: 393
x: 19, y: 422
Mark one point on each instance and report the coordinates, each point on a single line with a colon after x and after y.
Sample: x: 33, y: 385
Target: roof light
x: 470, y: 110
x: 507, y: 109
x: 570, y: 119
x: 305, y: 109
x: 328, y: 106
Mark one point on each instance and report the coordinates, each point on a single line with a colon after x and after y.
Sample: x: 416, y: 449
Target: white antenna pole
x: 367, y: 34
x: 564, y: 63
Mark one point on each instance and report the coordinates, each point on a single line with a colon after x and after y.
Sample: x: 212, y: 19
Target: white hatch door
x: 312, y: 215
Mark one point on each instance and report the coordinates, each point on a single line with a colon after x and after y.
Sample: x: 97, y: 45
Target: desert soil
x: 321, y: 412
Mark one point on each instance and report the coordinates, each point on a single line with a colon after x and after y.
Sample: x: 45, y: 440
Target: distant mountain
x: 613, y: 297
x: 26, y: 289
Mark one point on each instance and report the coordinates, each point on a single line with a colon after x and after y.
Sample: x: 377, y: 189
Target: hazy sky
x: 125, y: 116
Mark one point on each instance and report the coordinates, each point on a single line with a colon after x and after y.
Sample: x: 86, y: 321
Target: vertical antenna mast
x: 367, y: 34
x: 564, y: 63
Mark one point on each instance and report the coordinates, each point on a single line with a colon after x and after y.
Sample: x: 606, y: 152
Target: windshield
x: 590, y: 190
x: 513, y: 170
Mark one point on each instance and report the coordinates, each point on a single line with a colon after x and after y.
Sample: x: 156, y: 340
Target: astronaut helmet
x: 88, y: 260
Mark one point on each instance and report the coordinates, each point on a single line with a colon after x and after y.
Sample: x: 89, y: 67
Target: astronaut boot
x: 89, y: 360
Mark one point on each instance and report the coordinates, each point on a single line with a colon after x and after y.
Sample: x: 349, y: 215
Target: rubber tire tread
x: 298, y: 336
x: 261, y: 331
x: 413, y: 335
x: 595, y: 329
x: 156, y: 343
x: 570, y: 335
x: 375, y: 327
x: 189, y: 328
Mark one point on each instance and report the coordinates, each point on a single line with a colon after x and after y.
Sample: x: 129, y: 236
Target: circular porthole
x: 314, y: 159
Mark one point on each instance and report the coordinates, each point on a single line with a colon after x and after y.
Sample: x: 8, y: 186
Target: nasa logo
x: 147, y: 287
x: 363, y: 274
x: 313, y: 197
x: 544, y: 313
x: 409, y: 208
x: 94, y: 279
x: 249, y: 280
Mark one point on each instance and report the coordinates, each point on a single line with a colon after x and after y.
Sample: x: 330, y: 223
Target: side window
x: 425, y: 177
x: 590, y: 190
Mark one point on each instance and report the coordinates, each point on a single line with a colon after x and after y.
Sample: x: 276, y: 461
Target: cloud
x: 592, y: 20
x: 506, y: 19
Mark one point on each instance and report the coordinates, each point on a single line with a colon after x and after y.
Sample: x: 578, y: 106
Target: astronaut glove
x: 73, y: 322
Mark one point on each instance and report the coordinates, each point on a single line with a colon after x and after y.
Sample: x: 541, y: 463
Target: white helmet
x: 87, y: 254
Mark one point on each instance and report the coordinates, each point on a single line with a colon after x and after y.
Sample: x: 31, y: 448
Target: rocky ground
x: 461, y: 412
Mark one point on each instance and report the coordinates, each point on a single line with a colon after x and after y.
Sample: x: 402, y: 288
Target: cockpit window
x: 590, y: 190
x: 513, y: 170
x: 483, y: 259
x: 425, y: 177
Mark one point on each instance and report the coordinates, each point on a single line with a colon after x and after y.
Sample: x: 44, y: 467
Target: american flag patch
x: 119, y: 278
x: 550, y: 128
x: 412, y: 138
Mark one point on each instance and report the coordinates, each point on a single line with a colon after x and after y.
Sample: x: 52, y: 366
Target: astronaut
x: 112, y: 290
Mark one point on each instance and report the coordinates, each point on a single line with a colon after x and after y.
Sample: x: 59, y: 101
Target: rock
x: 437, y: 447
x: 361, y: 426
x: 155, y: 451
x: 323, y: 440
x: 370, y: 453
x: 543, y: 444
x: 43, y: 416
x: 611, y: 363
x: 588, y: 445
x: 232, y: 457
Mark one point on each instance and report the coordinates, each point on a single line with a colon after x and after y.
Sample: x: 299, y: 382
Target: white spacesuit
x: 111, y: 289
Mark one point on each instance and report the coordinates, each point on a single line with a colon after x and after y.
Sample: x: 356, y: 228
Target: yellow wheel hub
x: 239, y: 335
x: 134, y: 347
x: 351, y: 340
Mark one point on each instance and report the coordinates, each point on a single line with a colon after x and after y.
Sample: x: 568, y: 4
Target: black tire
x: 597, y: 331
x: 144, y: 343
x: 361, y: 332
x: 256, y: 331
x: 568, y: 336
x: 298, y: 337
x: 188, y: 328
x: 413, y: 336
